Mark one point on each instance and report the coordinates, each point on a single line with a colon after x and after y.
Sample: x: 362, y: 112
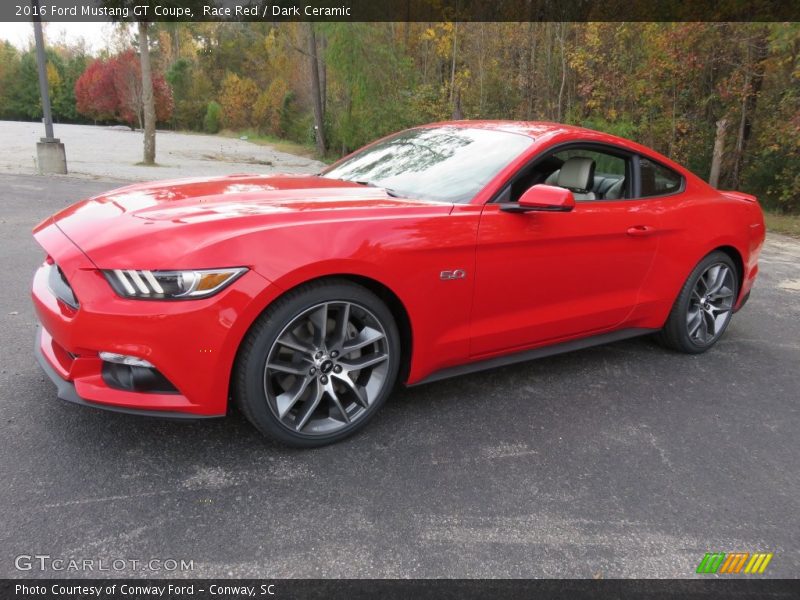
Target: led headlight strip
x: 159, y: 285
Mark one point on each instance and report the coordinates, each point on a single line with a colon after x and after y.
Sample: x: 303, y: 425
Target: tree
x: 753, y: 79
x: 70, y: 62
x: 237, y: 96
x: 24, y: 90
x: 148, y: 99
x: 95, y: 92
x: 316, y: 98
x: 9, y: 74
x: 127, y: 73
x: 339, y: 85
x: 268, y: 112
x: 111, y: 89
x: 126, y: 68
x: 179, y: 77
x: 774, y: 167
x: 213, y: 117
x: 719, y: 149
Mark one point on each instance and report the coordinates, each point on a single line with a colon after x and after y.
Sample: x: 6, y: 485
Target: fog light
x: 123, y: 359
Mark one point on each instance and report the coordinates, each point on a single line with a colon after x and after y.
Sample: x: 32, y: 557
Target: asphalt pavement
x: 624, y: 460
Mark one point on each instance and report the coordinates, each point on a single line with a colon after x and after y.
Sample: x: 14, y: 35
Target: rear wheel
x: 704, y: 307
x: 318, y: 364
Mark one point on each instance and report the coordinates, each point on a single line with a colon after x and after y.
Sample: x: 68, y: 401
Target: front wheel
x: 704, y: 307
x: 318, y: 364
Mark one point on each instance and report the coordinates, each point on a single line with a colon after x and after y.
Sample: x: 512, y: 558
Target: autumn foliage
x: 683, y: 88
x: 237, y: 96
x: 94, y: 91
x: 111, y: 90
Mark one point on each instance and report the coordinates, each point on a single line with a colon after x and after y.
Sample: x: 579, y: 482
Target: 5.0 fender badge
x: 455, y: 274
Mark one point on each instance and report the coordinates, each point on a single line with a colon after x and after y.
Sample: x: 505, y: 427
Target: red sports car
x: 433, y: 252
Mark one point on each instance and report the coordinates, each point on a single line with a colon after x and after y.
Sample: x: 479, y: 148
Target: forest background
x: 716, y: 97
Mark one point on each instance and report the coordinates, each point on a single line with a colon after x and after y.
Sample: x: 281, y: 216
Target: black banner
x: 399, y: 10
x: 208, y: 589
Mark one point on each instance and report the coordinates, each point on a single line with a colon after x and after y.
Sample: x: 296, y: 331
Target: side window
x: 658, y: 180
x: 605, y: 164
x: 589, y: 172
x: 608, y: 175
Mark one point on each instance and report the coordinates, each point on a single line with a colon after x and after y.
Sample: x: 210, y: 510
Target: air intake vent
x: 60, y: 287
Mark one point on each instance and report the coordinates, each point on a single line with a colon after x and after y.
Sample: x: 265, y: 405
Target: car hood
x: 138, y: 223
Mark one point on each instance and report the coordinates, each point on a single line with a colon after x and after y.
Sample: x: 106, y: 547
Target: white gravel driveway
x: 97, y: 152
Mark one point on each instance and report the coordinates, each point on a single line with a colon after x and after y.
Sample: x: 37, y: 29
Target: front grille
x: 59, y: 285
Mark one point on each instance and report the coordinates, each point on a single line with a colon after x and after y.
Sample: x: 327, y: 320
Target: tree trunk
x: 531, y: 75
x: 752, y: 88
x: 407, y: 31
x: 480, y: 69
x: 548, y: 69
x: 176, y: 41
x: 562, y: 48
x: 719, y: 150
x: 458, y: 114
x: 453, y: 66
x: 313, y: 63
x: 148, y: 102
x: 323, y: 74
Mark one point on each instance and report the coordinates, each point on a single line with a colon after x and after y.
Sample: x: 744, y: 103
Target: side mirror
x: 547, y: 198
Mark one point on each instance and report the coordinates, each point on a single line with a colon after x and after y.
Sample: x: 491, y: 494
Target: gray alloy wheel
x: 326, y: 368
x: 318, y: 364
x: 710, y: 304
x: 704, y: 306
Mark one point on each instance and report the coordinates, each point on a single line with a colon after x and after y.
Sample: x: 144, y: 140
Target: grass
x: 281, y: 145
x: 785, y: 224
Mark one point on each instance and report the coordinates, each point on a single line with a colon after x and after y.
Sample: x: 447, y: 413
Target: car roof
x: 534, y: 129
x: 546, y: 132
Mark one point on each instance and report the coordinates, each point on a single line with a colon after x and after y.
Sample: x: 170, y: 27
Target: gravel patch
x: 112, y: 153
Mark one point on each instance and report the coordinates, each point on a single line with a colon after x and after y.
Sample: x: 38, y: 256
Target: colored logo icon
x: 734, y: 562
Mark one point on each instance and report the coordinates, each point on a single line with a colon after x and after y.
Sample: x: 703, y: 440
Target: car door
x: 543, y: 277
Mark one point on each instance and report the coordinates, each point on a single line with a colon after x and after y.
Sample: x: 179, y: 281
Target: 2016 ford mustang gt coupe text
x: 432, y: 252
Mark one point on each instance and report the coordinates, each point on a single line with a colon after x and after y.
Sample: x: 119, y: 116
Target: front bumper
x: 66, y: 391
x: 192, y: 343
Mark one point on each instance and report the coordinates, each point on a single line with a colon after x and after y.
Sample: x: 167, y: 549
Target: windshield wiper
x: 389, y: 191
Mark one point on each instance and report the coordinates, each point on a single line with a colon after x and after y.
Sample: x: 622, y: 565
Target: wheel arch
x: 392, y: 300
x: 399, y: 312
x: 736, y: 256
x: 726, y: 248
x: 673, y: 333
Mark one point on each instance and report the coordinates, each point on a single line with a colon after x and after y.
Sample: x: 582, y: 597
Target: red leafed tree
x: 95, y: 93
x: 112, y: 89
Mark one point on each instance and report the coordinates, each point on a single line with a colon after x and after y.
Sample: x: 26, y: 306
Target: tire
x: 704, y: 307
x: 317, y: 365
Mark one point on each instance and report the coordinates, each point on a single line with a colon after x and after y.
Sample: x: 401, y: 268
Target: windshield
x: 445, y: 164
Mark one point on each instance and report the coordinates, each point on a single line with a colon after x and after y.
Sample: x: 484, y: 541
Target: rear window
x: 658, y: 180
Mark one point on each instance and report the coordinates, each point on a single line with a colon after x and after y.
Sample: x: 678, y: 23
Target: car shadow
x: 409, y: 411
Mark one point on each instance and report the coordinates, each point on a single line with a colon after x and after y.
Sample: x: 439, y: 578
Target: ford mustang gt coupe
x: 436, y: 251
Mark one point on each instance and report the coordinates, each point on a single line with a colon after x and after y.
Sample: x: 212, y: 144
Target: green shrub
x: 213, y: 118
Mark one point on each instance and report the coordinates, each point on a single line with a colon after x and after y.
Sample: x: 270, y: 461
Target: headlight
x: 165, y: 285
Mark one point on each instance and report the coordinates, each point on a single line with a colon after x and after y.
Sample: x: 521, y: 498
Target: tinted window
x: 449, y: 164
x: 604, y: 164
x: 658, y: 180
x: 609, y: 181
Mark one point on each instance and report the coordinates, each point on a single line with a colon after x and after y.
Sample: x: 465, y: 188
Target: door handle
x: 640, y: 230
